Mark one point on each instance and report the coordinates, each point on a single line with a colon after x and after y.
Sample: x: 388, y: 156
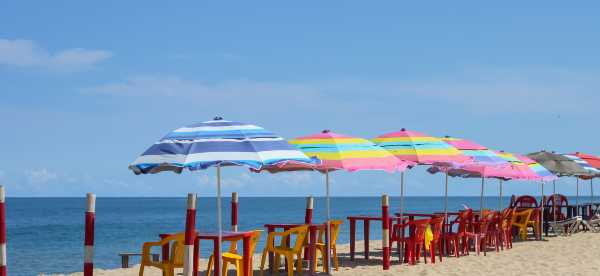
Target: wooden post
x: 234, y: 211
x: 385, y: 220
x: 90, y: 216
x: 190, y: 233
x: 2, y: 233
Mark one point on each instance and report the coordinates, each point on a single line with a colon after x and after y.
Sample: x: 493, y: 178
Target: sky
x: 87, y: 87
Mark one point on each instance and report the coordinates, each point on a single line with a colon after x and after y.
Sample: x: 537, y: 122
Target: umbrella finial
x: 218, y: 118
x: 326, y: 131
x: 446, y: 136
x: 403, y: 129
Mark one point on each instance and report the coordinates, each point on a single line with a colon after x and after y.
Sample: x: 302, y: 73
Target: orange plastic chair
x: 520, y: 221
x: 175, y: 260
x: 288, y: 252
x: 232, y: 257
x: 321, y: 247
x: 506, y: 228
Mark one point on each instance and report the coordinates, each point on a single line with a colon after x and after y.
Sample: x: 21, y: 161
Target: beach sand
x: 575, y: 255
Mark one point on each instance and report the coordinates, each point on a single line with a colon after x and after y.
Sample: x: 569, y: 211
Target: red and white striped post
x: 385, y: 220
x: 234, y: 211
x: 2, y: 233
x: 190, y: 236
x: 309, y: 210
x: 90, y: 217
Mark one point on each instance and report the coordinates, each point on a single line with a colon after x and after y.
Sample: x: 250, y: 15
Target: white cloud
x: 27, y: 54
x: 40, y: 176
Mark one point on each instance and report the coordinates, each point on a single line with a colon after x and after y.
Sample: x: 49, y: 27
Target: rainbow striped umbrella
x: 422, y: 149
x: 342, y: 152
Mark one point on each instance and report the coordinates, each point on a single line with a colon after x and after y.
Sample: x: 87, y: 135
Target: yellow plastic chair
x: 534, y: 222
x: 321, y: 247
x: 232, y: 257
x: 300, y: 233
x: 177, y: 242
x: 521, y: 220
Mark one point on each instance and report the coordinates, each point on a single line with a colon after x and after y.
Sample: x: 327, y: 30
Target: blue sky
x: 87, y: 87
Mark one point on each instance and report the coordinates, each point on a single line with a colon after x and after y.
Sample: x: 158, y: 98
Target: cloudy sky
x: 85, y: 88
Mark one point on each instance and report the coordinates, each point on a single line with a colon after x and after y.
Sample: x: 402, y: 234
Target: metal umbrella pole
x: 481, y: 197
x: 446, y: 199
x: 577, y: 196
x: 219, y: 219
x: 500, y: 197
x: 555, y: 198
x: 542, y: 213
x: 402, y: 206
x: 328, y: 231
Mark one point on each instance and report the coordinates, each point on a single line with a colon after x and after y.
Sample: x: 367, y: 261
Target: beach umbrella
x: 485, y: 163
x: 218, y: 143
x: 594, y: 161
x: 591, y: 173
x: 522, y: 172
x: 342, y: 152
x: 559, y: 165
x: 421, y: 149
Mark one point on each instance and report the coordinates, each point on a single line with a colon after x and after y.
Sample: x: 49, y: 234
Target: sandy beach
x: 575, y: 255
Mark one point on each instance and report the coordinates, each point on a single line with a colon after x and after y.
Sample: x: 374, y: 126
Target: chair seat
x: 231, y: 256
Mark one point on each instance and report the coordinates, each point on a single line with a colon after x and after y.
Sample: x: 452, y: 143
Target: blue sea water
x: 45, y: 235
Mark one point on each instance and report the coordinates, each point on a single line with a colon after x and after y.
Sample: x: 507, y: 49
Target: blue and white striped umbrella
x: 217, y: 142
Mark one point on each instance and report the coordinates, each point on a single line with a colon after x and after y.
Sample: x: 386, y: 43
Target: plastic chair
x: 288, y: 252
x: 520, y: 220
x: 232, y: 257
x: 437, y: 224
x: 321, y: 247
x: 506, y: 228
x: 480, y: 235
x: 555, y: 210
x: 525, y: 201
x: 494, y: 229
x: 458, y: 240
x: 175, y: 260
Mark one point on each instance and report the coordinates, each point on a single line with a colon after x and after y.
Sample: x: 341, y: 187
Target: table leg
x: 247, y: 258
x: 352, y: 238
x: 271, y: 256
x: 366, y: 228
x: 165, y: 255
x: 312, y: 249
x: 196, y: 255
x: 217, y: 255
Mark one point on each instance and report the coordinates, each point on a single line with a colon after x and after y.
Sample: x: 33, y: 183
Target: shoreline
x: 578, y: 254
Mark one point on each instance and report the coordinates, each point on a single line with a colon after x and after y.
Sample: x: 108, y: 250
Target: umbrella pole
x: 592, y: 189
x: 500, y: 197
x: 402, y: 207
x: 446, y: 199
x: 328, y: 204
x: 577, y: 196
x: 542, y: 213
x: 219, y: 226
x: 481, y: 197
x: 555, y: 199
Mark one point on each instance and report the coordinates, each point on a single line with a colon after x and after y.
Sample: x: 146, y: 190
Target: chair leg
x: 299, y: 265
x: 142, y: 269
x: 209, y: 268
x: 238, y: 267
x: 336, y: 261
x: 432, y: 252
x: 224, y: 268
x: 262, y: 262
x: 290, y: 264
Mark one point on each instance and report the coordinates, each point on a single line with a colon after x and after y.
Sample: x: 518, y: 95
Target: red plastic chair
x: 436, y: 224
x: 415, y: 244
x: 494, y: 229
x: 561, y: 200
x: 458, y: 239
x: 525, y: 201
x: 480, y: 235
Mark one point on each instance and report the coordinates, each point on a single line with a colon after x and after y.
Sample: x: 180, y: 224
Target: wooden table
x: 313, y: 228
x: 214, y: 236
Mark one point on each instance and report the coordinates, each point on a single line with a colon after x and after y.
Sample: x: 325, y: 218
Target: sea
x: 45, y: 235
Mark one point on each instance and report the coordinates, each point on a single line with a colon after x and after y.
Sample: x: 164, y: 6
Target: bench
x: 125, y: 258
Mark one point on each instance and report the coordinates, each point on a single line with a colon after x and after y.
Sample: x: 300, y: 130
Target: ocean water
x: 45, y: 235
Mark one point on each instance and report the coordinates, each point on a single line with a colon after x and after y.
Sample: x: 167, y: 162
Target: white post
x: 190, y: 236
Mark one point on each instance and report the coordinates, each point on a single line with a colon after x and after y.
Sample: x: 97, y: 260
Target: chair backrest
x: 522, y: 216
x: 177, y: 248
x: 437, y: 223
x: 254, y: 239
x: 420, y: 228
x: 300, y: 232
x: 507, y: 215
x: 464, y: 220
x: 525, y: 201
x: 560, y: 200
x: 335, y: 230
